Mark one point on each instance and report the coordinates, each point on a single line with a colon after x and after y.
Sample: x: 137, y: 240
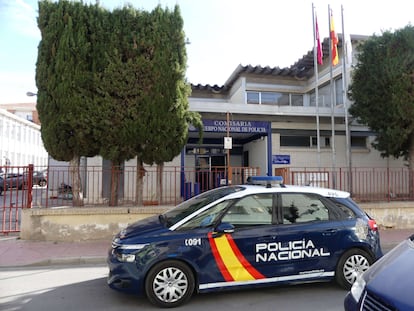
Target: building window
x: 324, y: 97
x: 323, y: 141
x: 295, y: 141
x: 269, y: 98
x: 359, y: 142
x: 304, y: 141
x: 338, y: 92
x: 324, y: 94
x: 253, y: 97
x: 297, y: 100
x: 274, y: 98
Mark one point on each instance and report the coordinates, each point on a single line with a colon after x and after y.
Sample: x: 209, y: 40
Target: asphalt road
x: 84, y: 288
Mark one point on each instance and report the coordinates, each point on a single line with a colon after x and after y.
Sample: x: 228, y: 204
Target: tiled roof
x: 303, y: 69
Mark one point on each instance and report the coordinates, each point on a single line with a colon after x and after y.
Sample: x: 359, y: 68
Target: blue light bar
x: 265, y: 180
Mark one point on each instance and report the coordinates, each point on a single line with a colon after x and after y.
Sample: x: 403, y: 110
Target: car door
x: 308, y: 237
x: 235, y: 252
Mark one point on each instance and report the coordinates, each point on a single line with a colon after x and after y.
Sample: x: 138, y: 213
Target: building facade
x: 276, y: 122
x: 20, y: 141
x: 263, y: 120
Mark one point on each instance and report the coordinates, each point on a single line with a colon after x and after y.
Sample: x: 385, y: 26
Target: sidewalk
x: 15, y: 252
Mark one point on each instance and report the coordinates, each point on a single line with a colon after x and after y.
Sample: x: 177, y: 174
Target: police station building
x: 273, y: 120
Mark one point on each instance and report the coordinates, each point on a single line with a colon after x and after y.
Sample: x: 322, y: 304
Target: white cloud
x: 22, y: 16
x: 15, y: 85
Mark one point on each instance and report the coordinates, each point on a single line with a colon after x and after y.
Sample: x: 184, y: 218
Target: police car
x: 244, y: 236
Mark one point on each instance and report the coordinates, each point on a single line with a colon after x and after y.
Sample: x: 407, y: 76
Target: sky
x: 222, y: 34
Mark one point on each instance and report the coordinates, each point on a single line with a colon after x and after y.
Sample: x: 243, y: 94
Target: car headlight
x: 126, y: 257
x: 131, y: 250
x: 358, y: 288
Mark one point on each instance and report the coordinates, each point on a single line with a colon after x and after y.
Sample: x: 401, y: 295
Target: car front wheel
x: 169, y: 284
x: 352, y: 263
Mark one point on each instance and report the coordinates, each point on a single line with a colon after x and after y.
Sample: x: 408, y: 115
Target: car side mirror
x: 225, y: 227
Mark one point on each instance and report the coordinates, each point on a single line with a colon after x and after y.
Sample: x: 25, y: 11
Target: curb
x: 62, y: 261
x: 71, y: 261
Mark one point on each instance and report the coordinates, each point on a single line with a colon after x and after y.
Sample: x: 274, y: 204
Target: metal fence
x: 181, y: 183
x: 46, y: 187
x: 364, y: 184
x: 15, y: 194
x: 178, y: 184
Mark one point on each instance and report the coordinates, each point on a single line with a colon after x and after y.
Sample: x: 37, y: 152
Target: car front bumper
x: 123, y: 276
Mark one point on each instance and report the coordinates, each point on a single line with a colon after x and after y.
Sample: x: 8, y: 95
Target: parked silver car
x: 3, y: 185
x: 40, y: 178
x: 15, y: 180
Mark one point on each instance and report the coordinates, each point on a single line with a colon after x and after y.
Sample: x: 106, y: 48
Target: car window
x: 303, y: 207
x: 346, y: 211
x: 251, y: 210
x: 186, y: 208
x: 206, y: 218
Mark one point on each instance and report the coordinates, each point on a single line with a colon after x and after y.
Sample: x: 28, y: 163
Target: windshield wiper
x: 161, y: 218
x: 164, y: 220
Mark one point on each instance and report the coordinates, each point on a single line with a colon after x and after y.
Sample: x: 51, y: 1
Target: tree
x: 383, y: 92
x: 144, y: 92
x: 112, y: 83
x: 168, y: 112
x: 66, y: 105
x: 123, y: 90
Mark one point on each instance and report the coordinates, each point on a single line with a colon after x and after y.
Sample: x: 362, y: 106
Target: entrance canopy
x: 241, y: 131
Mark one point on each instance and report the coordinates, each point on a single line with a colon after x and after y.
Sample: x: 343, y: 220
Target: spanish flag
x: 334, y: 42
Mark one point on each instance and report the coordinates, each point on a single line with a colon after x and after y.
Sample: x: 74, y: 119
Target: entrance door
x: 203, y: 167
x: 210, y: 170
x: 218, y: 170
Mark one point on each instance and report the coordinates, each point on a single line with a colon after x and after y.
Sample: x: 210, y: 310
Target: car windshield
x: 186, y: 208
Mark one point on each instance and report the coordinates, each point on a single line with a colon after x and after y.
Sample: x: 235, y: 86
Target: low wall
x: 391, y: 214
x: 101, y: 223
x: 80, y: 224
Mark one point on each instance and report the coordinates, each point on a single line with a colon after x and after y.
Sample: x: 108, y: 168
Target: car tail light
x: 372, y: 224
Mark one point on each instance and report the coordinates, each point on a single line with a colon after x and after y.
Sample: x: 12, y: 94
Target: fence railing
x: 181, y: 183
x: 177, y: 184
x: 364, y: 184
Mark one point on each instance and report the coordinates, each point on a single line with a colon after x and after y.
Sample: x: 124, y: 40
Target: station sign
x: 234, y: 126
x: 281, y: 159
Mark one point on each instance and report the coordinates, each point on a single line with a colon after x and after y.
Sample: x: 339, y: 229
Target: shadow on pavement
x: 95, y: 295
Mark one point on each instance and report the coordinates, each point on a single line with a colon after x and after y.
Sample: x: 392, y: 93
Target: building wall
x: 291, y: 118
x: 237, y: 92
x: 258, y: 154
x: 20, y: 142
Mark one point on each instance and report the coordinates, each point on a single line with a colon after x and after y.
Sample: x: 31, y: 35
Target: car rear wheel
x: 353, y: 263
x: 42, y: 183
x: 169, y: 284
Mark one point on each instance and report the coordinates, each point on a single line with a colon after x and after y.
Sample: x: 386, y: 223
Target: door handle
x: 330, y: 232
x: 267, y: 237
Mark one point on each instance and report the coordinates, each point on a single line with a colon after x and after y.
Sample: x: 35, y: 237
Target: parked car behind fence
x: 15, y: 180
x: 40, y: 178
x: 3, y: 185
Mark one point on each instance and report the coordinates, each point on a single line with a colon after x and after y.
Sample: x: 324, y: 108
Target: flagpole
x: 315, y: 66
x: 346, y: 62
x: 331, y: 44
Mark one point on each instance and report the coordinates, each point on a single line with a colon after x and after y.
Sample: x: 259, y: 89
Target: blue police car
x: 244, y: 236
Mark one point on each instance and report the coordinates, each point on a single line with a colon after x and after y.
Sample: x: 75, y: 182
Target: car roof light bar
x: 268, y: 181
